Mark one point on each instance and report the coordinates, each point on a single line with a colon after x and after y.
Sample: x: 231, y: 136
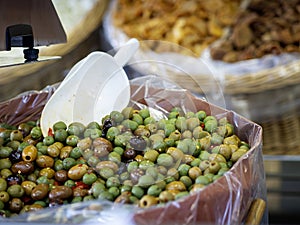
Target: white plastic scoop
x: 94, y: 87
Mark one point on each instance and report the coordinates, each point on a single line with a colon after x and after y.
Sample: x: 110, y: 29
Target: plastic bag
x: 225, y: 201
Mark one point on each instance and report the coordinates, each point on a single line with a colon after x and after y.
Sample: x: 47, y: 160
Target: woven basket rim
x: 264, y: 80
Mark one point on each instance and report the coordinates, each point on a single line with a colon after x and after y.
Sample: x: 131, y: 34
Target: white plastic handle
x: 125, y: 53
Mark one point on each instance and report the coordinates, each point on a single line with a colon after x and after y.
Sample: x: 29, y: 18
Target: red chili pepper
x: 50, y: 132
x: 26, y: 199
x: 202, y: 125
x: 80, y: 184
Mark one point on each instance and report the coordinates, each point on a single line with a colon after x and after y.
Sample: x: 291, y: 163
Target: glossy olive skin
x: 130, y: 159
x: 23, y: 166
x: 40, y: 191
x: 60, y: 193
x: 29, y: 153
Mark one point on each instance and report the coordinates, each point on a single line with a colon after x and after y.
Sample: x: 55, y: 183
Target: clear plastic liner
x: 225, y: 201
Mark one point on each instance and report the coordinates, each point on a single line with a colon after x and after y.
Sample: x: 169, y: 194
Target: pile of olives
x: 128, y: 158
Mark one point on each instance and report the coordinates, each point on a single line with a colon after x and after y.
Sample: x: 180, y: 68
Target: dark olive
x: 14, y: 179
x: 15, y: 156
x: 24, y: 128
x: 60, y: 193
x: 61, y: 175
x: 22, y: 167
x: 15, y: 205
x: 106, y: 125
x: 129, y: 154
x: 40, y: 191
x: 138, y: 143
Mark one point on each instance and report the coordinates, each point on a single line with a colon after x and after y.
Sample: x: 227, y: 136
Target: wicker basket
x: 81, y: 40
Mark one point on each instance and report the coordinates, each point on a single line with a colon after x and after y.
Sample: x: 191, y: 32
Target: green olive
x: 89, y: 178
x: 47, y: 172
x: 165, y: 196
x: 181, y: 123
x: 187, y: 181
x: 176, y: 186
x: 130, y: 124
x: 152, y: 171
x: 232, y: 140
x: 214, y: 167
x: 154, y: 190
x: 127, y: 112
x: 137, y: 118
x: 59, y: 125
x: 147, y: 201
x: 144, y: 113
x: 210, y: 125
x: 194, y: 172
x: 44, y: 161
x: 65, y: 152
x: 48, y: 140
x: 60, y: 135
x: 116, y: 116
x: 76, y: 128
x: 202, y: 180
x: 29, y: 153
x: 28, y: 186
x: 183, y: 169
x: 192, y: 123
x: 76, y: 172
x: 113, y: 182
x: 15, y: 191
x: 181, y: 194
x: 36, y: 132
x: 3, y: 184
x: 97, y: 188
x: 237, y: 154
x: 92, y: 133
x: 4, y: 196
x: 165, y: 159
x: 16, y: 135
x: 54, y: 149
x: 93, y: 125
x: 75, y: 153
x: 146, y: 181
x: 72, y: 140
x: 5, y: 151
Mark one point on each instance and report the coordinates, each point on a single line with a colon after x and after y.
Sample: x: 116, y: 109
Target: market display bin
x: 228, y: 200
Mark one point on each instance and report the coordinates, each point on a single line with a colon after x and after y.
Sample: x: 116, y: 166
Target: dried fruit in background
x: 265, y: 27
x: 191, y: 24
